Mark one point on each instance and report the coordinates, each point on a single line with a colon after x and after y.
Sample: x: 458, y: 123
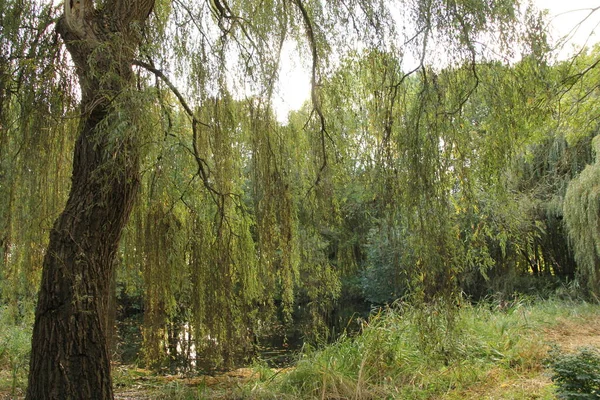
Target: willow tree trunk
x: 70, y: 358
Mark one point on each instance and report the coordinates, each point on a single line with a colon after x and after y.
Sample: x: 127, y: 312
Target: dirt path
x: 570, y: 335
x: 145, y: 386
x: 567, y: 334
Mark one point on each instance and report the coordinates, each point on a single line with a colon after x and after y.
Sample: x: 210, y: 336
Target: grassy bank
x: 488, y: 351
x: 401, y: 353
x: 410, y: 354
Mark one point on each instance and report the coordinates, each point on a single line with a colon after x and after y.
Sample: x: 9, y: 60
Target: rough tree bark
x: 70, y: 358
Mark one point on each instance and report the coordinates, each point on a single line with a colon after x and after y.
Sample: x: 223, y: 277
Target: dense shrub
x: 576, y: 375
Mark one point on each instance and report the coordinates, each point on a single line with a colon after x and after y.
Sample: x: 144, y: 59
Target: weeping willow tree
x: 428, y: 145
x: 36, y: 137
x: 580, y: 127
x: 182, y: 163
x: 582, y: 216
x: 69, y: 357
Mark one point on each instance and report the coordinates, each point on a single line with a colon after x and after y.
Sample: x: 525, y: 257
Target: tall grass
x: 401, y: 352
x: 391, y: 357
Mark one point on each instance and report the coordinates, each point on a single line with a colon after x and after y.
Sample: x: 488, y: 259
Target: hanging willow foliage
x: 36, y: 142
x: 274, y: 209
x: 582, y: 217
x: 239, y: 218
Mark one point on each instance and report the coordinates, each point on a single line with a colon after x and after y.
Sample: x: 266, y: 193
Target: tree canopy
x: 437, y: 155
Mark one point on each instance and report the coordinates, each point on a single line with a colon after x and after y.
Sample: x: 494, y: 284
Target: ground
x: 568, y: 334
x: 529, y: 382
x: 535, y: 383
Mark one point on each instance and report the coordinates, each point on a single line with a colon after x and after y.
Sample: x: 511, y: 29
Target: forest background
x: 436, y: 168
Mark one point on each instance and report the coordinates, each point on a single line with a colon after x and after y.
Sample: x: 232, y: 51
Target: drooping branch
x: 473, y: 53
x: 308, y: 25
x: 173, y: 88
x: 203, y: 167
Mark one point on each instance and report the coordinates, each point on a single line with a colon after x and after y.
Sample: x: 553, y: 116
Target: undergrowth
x: 400, y: 352
x: 388, y: 359
x: 15, y: 346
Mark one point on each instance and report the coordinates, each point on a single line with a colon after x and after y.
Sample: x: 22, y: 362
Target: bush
x: 15, y: 346
x: 576, y: 375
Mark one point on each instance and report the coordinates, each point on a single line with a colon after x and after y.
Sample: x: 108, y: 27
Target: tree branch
x: 313, y: 83
x: 203, y: 167
x: 171, y: 86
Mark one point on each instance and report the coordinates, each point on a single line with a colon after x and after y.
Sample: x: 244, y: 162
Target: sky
x: 565, y: 19
x: 293, y: 88
x: 573, y: 19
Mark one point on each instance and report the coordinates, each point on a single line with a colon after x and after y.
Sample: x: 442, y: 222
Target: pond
x: 277, y: 349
